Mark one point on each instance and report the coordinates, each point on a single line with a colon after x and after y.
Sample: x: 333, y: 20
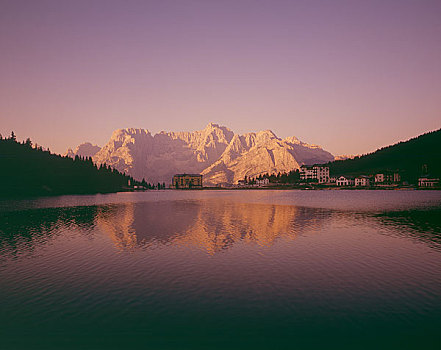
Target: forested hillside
x: 413, y: 158
x: 26, y: 170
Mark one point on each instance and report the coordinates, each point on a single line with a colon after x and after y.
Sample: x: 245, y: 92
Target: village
x: 314, y: 176
x: 319, y: 174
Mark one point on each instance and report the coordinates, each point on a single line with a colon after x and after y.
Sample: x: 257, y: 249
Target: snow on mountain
x: 216, y: 152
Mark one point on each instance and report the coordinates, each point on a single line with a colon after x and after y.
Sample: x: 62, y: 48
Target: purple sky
x: 351, y: 76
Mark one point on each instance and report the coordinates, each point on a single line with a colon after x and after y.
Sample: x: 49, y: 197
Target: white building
x: 345, y: 181
x: 315, y: 172
x: 362, y: 180
x: 379, y: 177
x: 262, y: 182
x: 428, y: 182
x: 388, y: 177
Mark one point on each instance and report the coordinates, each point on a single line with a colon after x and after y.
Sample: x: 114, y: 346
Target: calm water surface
x: 222, y: 270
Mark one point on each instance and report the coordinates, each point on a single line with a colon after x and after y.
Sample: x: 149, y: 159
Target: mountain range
x: 216, y: 152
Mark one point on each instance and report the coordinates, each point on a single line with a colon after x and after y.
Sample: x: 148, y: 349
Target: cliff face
x: 216, y: 152
x: 257, y: 153
x: 157, y: 158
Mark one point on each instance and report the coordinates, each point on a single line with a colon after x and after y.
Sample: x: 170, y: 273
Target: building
x: 241, y: 183
x: 187, y: 181
x: 379, y: 178
x: 362, y: 180
x: 426, y: 181
x: 316, y: 172
x: 345, y: 181
x: 387, y: 177
x: 262, y: 182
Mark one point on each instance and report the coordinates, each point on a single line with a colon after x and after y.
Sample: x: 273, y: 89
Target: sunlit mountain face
x: 222, y: 156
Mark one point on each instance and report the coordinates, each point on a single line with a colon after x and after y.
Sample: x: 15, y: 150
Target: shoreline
x: 310, y: 188
x: 278, y: 188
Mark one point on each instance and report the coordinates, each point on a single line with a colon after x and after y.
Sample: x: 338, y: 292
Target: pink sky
x: 351, y: 76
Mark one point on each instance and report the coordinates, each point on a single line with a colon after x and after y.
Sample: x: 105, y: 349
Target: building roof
x: 387, y: 172
x: 187, y: 175
x: 428, y: 177
x: 314, y: 165
x: 348, y: 177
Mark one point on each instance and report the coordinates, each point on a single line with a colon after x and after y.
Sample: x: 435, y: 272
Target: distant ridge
x: 84, y: 150
x: 222, y: 156
x: 412, y: 158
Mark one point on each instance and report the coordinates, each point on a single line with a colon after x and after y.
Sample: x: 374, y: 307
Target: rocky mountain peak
x: 119, y: 134
x: 212, y: 126
x: 265, y: 136
x: 215, y: 151
x: 220, y: 133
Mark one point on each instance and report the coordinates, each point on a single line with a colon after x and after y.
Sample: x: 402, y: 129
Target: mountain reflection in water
x: 213, y: 225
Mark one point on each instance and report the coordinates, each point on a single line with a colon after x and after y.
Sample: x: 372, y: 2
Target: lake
x: 222, y: 270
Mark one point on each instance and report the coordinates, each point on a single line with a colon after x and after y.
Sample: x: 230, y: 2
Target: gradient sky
x: 351, y: 76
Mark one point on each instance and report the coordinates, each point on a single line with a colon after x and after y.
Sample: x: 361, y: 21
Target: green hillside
x: 31, y: 171
x: 411, y: 158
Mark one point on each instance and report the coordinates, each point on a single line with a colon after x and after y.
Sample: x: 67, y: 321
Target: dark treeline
x: 28, y: 170
x: 148, y: 186
x: 413, y: 158
x: 281, y: 178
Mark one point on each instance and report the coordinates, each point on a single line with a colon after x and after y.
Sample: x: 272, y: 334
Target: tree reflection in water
x: 23, y: 230
x: 213, y: 225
